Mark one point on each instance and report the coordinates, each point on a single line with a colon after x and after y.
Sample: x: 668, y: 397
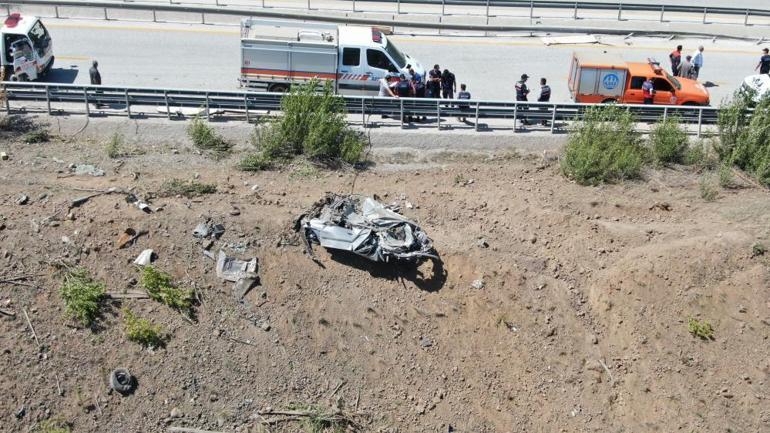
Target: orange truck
x: 605, y: 78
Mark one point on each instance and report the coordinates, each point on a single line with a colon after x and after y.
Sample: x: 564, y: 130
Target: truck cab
x: 277, y: 54
x: 27, y: 51
x: 609, y: 79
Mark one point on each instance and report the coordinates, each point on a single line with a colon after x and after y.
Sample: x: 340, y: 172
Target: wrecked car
x: 366, y: 227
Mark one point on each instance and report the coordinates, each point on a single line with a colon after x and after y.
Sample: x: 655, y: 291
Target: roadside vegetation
x: 206, y: 139
x: 161, y: 288
x: 142, y: 331
x: 188, y: 189
x: 82, y: 296
x: 312, y: 125
x: 744, y: 136
x: 700, y: 329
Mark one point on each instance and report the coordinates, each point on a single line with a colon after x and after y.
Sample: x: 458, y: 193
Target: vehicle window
x: 9, y: 40
x: 588, y: 77
x: 676, y: 82
x: 661, y: 85
x: 636, y: 82
x: 39, y: 37
x: 395, y: 54
x: 351, y: 56
x: 378, y: 59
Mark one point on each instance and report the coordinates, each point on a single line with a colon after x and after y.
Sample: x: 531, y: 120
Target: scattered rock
x: 19, y: 414
x: 265, y: 326
x: 478, y: 284
x: 87, y: 170
x: 22, y: 200
x: 550, y: 332
x: 594, y: 339
x: 176, y: 413
x: 426, y: 342
x: 3, y: 156
x: 483, y: 243
x: 533, y: 239
x: 742, y: 309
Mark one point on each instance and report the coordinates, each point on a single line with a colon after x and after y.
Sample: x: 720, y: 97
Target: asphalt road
x: 198, y: 56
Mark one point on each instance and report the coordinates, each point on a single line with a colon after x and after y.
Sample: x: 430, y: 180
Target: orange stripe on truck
x: 302, y: 74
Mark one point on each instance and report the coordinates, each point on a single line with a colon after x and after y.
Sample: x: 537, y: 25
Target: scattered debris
x: 7, y: 312
x: 365, y: 227
x: 3, y: 156
x: 86, y: 170
x: 478, y: 284
x: 482, y: 243
x: 145, y: 258
x: 426, y: 342
x: 128, y: 295
x: 661, y: 206
x: 205, y: 230
x: 569, y: 40
x: 242, y: 273
x: 122, y: 381
x: 31, y: 328
x: 19, y: 414
x: 22, y: 200
x: 128, y: 236
x: 131, y: 198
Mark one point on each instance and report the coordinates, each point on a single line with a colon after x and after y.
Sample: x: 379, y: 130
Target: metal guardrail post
x: 106, y: 18
x: 208, y: 111
x: 402, y: 113
x: 700, y: 120
x: 168, y: 108
x: 438, y: 114
x: 203, y: 18
x: 620, y: 11
x: 308, y: 4
x: 128, y: 105
x: 477, y: 116
x: 665, y: 113
x: 85, y: 97
x: 398, y: 7
x: 354, y: 5
x: 515, y: 111
x: 746, y: 19
x: 574, y: 15
x: 263, y: 4
x: 48, y: 99
x: 7, y: 104
x: 553, y: 118
x: 487, y: 11
x: 363, y: 112
x: 154, y: 17
x: 56, y: 11
x: 531, y: 9
x: 8, y: 9
x: 662, y: 11
x: 246, y: 106
x: 705, y: 12
x: 443, y: 7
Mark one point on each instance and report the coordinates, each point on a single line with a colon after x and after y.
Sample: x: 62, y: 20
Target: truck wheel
x: 610, y: 101
x: 278, y: 88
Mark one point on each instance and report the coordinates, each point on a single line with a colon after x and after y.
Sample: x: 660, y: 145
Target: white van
x: 277, y: 54
x: 26, y: 47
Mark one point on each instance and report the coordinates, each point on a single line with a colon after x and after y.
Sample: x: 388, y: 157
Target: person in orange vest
x: 648, y: 91
x: 676, y: 60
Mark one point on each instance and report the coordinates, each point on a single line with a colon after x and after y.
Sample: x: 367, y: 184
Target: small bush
x: 668, y: 142
x: 187, y: 189
x: 708, y: 188
x: 205, y: 138
x: 700, y: 329
x: 53, y: 426
x: 161, y: 288
x: 603, y: 147
x: 255, y: 162
x: 82, y: 296
x: 726, y: 177
x: 142, y: 331
x: 744, y: 137
x: 312, y: 124
x: 758, y: 249
x: 114, y: 147
x: 36, y: 136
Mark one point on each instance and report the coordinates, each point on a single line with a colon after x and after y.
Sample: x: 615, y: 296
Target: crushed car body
x: 366, y: 227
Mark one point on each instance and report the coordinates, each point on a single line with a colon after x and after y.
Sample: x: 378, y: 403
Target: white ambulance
x: 27, y: 51
x: 277, y: 54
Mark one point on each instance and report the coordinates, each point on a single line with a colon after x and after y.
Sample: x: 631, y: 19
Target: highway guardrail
x: 314, y: 15
x: 135, y: 102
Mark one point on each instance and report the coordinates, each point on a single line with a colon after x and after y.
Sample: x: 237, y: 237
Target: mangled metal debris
x: 365, y: 227
x: 242, y: 273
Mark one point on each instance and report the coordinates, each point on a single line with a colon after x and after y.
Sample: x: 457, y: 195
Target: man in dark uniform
x: 545, y: 96
x: 521, y: 94
x: 764, y: 62
x: 96, y: 78
x: 434, y: 82
x: 404, y: 90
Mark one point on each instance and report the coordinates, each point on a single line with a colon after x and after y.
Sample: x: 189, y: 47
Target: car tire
x: 278, y: 88
x: 122, y: 381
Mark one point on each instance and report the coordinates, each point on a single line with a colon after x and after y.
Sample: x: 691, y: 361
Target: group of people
x: 436, y: 85
x: 689, y: 67
x: 522, y: 94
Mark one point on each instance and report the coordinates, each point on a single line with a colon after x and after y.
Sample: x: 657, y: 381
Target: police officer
x: 96, y: 78
x: 521, y: 94
x: 434, y: 82
x: 545, y: 96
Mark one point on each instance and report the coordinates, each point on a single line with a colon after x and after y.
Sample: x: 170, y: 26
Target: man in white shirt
x: 385, y: 89
x: 697, y: 62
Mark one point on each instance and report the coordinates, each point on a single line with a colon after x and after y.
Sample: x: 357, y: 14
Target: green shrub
x: 726, y: 178
x: 82, y: 296
x: 708, y: 187
x: 255, y: 162
x: 668, y: 142
x: 187, y: 189
x: 603, y: 147
x: 114, y: 147
x: 205, y: 138
x: 744, y: 139
x: 53, y: 426
x: 758, y: 249
x: 161, y: 288
x: 700, y: 329
x: 142, y: 331
x: 36, y: 136
x: 312, y: 124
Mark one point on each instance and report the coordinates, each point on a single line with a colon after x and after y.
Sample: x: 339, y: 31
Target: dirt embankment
x: 581, y: 323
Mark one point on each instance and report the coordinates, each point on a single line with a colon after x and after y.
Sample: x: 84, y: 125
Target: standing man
x: 685, y: 69
x: 385, y: 89
x: 448, y: 84
x: 676, y: 60
x: 697, y: 62
x: 764, y: 62
x: 648, y: 91
x: 434, y: 82
x: 96, y: 78
x: 545, y: 96
x: 463, y: 95
x: 521, y: 94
